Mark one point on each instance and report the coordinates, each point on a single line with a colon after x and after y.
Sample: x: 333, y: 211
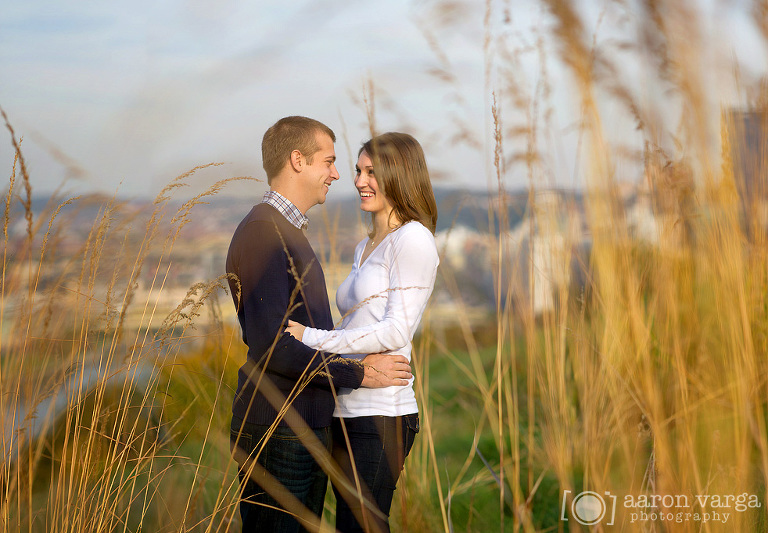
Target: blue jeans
x: 285, y: 457
x: 379, y: 446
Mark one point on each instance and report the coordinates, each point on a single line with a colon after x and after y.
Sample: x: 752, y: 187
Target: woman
x: 381, y: 302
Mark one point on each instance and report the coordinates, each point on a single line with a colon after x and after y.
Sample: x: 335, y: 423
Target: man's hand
x: 385, y: 370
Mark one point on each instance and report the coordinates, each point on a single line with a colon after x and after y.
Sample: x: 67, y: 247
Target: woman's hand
x: 295, y: 329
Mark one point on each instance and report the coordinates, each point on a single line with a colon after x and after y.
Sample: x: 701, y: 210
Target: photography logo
x: 589, y: 508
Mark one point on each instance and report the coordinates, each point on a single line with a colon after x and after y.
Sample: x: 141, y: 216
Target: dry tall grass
x: 93, y: 433
x: 650, y: 380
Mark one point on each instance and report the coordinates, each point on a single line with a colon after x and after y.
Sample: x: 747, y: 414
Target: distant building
x: 748, y: 140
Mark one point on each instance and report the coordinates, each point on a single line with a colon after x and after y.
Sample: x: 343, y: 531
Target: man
x: 276, y: 277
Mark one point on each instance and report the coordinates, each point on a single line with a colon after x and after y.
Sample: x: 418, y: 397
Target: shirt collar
x: 286, y: 208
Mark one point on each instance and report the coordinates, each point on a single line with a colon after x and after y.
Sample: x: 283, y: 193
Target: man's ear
x: 297, y: 161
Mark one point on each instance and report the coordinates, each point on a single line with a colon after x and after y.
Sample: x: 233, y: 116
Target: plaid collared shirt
x: 286, y: 208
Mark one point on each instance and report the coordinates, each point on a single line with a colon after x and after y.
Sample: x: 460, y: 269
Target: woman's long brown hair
x: 401, y: 172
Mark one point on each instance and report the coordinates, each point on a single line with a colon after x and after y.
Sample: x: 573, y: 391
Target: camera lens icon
x: 589, y: 508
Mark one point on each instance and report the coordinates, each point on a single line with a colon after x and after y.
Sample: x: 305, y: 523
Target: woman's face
x: 372, y: 199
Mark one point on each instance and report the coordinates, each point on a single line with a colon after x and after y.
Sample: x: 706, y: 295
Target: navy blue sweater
x: 268, y: 255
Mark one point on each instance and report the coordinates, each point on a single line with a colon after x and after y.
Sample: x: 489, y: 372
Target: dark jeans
x: 285, y: 458
x: 379, y: 447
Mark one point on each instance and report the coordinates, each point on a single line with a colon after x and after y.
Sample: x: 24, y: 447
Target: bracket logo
x: 589, y: 508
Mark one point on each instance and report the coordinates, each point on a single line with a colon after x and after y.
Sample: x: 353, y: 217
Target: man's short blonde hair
x: 289, y: 134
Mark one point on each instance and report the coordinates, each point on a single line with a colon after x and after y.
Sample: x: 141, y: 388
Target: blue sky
x: 134, y: 93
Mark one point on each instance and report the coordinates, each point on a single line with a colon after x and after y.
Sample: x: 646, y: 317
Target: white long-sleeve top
x: 381, y: 303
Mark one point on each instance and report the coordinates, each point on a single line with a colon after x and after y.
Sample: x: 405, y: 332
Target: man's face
x: 318, y: 176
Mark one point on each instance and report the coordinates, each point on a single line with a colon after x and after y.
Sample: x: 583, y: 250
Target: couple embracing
x: 309, y: 392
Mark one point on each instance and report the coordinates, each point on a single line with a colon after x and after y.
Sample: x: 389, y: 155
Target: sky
x: 121, y: 97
